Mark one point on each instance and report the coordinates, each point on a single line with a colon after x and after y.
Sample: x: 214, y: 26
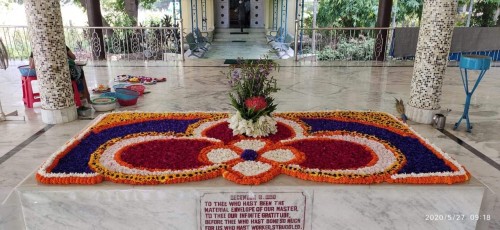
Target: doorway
x: 234, y: 13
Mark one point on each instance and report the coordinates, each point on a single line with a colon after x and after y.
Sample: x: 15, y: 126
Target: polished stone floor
x: 199, y: 85
x: 237, y: 48
x: 231, y: 46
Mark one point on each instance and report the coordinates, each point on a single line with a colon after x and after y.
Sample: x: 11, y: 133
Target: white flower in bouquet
x: 264, y: 126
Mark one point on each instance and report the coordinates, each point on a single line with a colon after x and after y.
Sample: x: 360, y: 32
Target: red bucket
x: 126, y: 94
x: 138, y: 88
x: 127, y: 102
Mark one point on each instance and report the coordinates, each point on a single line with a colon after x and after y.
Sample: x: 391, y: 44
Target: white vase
x: 264, y: 126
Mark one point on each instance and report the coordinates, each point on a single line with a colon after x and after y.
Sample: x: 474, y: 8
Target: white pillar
x: 49, y: 52
x: 497, y: 14
x: 431, y: 59
x: 469, y: 14
x: 315, y: 12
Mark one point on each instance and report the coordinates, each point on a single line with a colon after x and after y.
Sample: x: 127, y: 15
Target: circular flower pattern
x: 249, y: 155
x: 258, y: 162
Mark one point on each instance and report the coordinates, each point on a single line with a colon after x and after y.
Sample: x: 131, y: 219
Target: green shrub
x: 358, y: 49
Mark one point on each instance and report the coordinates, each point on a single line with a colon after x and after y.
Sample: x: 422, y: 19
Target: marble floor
x: 199, y: 85
x: 232, y: 46
x: 233, y: 50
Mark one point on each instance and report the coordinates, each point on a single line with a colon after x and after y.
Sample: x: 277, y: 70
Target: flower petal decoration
x: 255, y: 145
x: 221, y: 155
x: 251, y: 168
x: 279, y: 155
x: 70, y: 164
x: 335, y: 146
x: 251, y: 172
x: 338, y: 157
x: 153, y: 159
x: 259, y: 159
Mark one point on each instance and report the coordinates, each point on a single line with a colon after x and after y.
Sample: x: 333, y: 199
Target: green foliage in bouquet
x: 251, y: 87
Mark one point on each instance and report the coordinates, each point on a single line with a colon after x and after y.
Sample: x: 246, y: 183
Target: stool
x: 471, y: 62
x: 28, y: 96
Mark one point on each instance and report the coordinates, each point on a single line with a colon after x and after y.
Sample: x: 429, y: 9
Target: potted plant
x: 251, y: 88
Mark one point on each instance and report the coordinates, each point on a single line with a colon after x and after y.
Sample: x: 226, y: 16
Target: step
x: 228, y: 30
x: 240, y: 37
x: 250, y: 36
x: 236, y: 43
x: 260, y: 41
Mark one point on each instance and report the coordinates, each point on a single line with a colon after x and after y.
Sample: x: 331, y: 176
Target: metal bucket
x: 439, y: 121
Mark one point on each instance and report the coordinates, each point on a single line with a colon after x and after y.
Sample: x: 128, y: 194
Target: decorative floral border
x: 106, y: 164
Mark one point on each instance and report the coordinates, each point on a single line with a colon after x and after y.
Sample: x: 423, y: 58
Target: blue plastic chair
x: 471, y: 62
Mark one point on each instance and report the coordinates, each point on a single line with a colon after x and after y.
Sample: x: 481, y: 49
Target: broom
x: 400, y: 107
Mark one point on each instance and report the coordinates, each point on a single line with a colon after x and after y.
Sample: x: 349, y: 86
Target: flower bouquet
x: 251, y: 88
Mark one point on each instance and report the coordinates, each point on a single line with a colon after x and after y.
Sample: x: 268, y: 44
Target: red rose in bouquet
x: 256, y: 103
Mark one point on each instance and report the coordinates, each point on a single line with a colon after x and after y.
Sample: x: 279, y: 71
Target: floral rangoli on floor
x: 343, y: 147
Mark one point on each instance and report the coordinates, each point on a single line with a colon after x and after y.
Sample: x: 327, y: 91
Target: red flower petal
x: 221, y: 131
x: 333, y: 154
x: 165, y: 154
x: 256, y: 103
x: 284, y: 132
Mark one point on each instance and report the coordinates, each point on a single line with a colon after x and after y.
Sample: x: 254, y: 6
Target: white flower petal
x: 251, y: 168
x: 255, y: 145
x: 264, y: 126
x: 221, y: 155
x: 279, y: 155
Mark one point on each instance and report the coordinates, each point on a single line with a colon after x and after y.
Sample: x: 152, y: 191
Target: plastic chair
x: 29, y: 98
x: 471, y: 62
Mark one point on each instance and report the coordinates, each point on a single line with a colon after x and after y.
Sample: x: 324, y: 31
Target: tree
x: 347, y: 13
x: 408, y: 10
x: 483, y: 13
x: 95, y: 20
x: 118, y: 12
x: 383, y: 20
x: 129, y: 8
x: 83, y: 4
